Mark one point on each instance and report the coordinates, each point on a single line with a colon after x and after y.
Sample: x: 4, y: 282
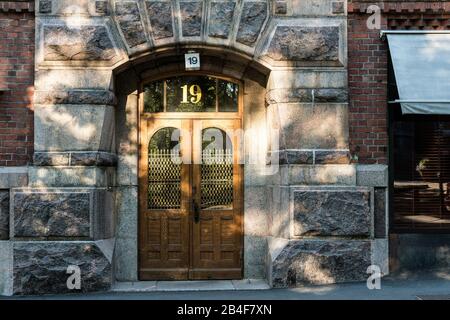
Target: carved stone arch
x: 148, y: 24
x: 127, y: 78
x: 214, y: 60
x: 131, y: 28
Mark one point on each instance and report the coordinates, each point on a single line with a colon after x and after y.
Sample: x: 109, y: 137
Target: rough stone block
x: 330, y: 95
x: 126, y: 169
x: 101, y: 97
x: 306, y: 126
x: 373, y: 175
x: 292, y: 95
x: 295, y: 157
x: 338, y: 7
x: 299, y: 43
x: 125, y: 259
x: 101, y: 7
x: 129, y: 19
x: 67, y: 79
x: 255, y: 253
x: 69, y: 8
x: 161, y: 19
x: 126, y: 253
x: 279, y: 211
x: 191, y: 18
x: 101, y: 159
x: 307, y: 79
x: 103, y: 209
x: 78, y: 158
x: 221, y: 18
x: 71, y: 176
x: 333, y: 174
x: 255, y: 176
x: 331, y: 212
x: 280, y: 7
x: 64, y: 43
x: 307, y: 95
x: 6, y: 262
x: 51, y: 214
x: 41, y: 267
x: 45, y: 6
x: 73, y: 127
x: 12, y: 177
x: 127, y: 214
x: 253, y: 16
x: 255, y: 220
x: 380, y: 212
x: 305, y: 262
x: 311, y: 7
x: 4, y: 215
x: 380, y: 255
x: 332, y: 157
x: 62, y: 213
x: 51, y: 158
x: 275, y: 246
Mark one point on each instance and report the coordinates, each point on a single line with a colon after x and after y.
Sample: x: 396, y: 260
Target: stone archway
x: 127, y: 84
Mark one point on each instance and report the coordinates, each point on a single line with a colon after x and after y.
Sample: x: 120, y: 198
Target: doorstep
x: 201, y: 285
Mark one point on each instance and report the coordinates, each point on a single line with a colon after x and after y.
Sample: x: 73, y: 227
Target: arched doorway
x: 190, y: 178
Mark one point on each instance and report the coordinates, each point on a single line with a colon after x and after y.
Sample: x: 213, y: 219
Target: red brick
x: 367, y: 108
x: 16, y: 74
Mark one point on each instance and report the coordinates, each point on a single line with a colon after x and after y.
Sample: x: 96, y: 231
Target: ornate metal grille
x: 217, y: 179
x: 164, y: 179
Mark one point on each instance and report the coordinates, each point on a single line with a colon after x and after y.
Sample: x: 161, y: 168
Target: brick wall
x: 368, y: 62
x: 16, y: 82
x: 367, y: 82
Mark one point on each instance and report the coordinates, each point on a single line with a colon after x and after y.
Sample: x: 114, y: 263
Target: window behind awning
x: 422, y: 70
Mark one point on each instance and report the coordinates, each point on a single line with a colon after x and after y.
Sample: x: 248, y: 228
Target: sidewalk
x: 401, y: 287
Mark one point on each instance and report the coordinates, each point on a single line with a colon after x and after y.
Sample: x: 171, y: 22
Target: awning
x: 421, y: 63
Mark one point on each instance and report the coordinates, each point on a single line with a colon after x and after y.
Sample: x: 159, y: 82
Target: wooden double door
x: 190, y: 192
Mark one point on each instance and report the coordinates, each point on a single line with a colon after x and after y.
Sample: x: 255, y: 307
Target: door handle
x: 195, y: 207
x: 196, y: 210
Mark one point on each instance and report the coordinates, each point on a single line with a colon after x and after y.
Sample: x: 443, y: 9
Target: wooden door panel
x: 164, y: 210
x: 165, y: 239
x: 174, y: 244
x: 217, y: 236
x: 218, y: 242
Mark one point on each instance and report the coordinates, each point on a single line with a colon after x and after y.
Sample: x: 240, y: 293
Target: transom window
x: 194, y: 93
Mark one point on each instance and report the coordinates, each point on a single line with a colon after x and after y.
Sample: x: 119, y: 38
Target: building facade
x: 109, y: 109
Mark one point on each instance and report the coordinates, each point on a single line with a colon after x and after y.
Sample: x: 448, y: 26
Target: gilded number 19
x: 195, y: 91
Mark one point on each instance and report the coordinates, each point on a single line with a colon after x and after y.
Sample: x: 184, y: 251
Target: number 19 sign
x: 192, y: 61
